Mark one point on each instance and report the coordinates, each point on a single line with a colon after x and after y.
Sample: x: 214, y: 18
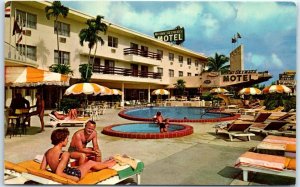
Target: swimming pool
x: 178, y: 114
x: 147, y: 130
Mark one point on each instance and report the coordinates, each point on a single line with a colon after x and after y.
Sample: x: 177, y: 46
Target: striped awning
x: 29, y: 76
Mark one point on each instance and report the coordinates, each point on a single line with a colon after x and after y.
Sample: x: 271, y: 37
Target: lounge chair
x: 252, y: 111
x: 235, y: 130
x: 278, y: 145
x: 29, y: 171
x: 54, y: 122
x: 259, y: 118
x: 263, y: 163
x: 172, y: 98
x: 282, y: 117
x: 269, y: 128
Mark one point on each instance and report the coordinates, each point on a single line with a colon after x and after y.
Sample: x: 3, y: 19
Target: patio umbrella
x: 160, y: 92
x: 218, y: 90
x: 87, y: 89
x: 249, y: 91
x: 276, y: 89
x: 115, y: 92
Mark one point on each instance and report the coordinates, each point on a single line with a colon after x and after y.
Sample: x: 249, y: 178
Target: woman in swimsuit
x: 58, y: 160
x: 72, y: 114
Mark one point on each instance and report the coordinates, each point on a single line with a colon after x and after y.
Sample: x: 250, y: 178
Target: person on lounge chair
x: 72, y: 114
x: 78, y: 147
x: 58, y: 160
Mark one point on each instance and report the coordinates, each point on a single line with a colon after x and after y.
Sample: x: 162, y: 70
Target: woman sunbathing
x: 58, y: 160
x: 72, y: 114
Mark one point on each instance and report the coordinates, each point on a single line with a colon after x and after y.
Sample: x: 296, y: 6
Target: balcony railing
x: 139, y: 52
x: 125, y: 72
x: 13, y: 53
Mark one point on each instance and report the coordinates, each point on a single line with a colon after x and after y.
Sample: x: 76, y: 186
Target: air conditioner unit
x: 171, y: 63
x: 27, y: 32
x: 113, y: 50
x: 180, y: 65
x: 189, y: 67
x: 196, y: 68
x: 62, y: 40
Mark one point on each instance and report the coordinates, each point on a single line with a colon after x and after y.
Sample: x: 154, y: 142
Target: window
x: 112, y: 41
x: 160, y: 53
x: 189, y: 74
x: 189, y: 61
x: 171, y: 56
x: 62, y: 58
x: 180, y: 59
x: 161, y: 71
x: 63, y: 29
x: 196, y: 63
x: 31, y: 20
x: 134, y: 46
x: 180, y: 73
x: 28, y: 51
x: 171, y: 73
x: 196, y: 74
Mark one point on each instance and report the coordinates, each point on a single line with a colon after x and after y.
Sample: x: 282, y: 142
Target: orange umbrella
x: 277, y: 89
x: 249, y: 91
x: 87, y: 88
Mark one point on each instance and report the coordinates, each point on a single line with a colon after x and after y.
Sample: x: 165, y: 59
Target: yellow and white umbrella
x: 87, y: 88
x: 160, y: 92
x: 218, y: 90
x: 277, y: 89
x: 249, y: 91
x: 115, y: 92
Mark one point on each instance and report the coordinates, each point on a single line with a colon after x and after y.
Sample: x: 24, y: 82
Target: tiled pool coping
x: 187, y: 130
x: 231, y: 117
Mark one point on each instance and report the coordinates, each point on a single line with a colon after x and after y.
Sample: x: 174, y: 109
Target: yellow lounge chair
x: 29, y: 171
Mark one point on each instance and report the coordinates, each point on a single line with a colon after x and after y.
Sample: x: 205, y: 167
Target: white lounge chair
x: 29, y: 171
x: 263, y: 163
x: 54, y: 122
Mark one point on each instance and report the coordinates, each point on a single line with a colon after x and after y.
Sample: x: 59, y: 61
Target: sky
x: 268, y: 29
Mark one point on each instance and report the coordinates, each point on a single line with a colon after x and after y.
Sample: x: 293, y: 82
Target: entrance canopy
x: 29, y: 76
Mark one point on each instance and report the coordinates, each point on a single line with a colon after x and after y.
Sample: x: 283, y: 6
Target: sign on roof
x: 175, y: 36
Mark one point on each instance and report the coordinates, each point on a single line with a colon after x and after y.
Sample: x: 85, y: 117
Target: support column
x: 122, y: 98
x: 149, y: 94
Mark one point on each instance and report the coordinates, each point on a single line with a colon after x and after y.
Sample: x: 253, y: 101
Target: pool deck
x: 202, y: 158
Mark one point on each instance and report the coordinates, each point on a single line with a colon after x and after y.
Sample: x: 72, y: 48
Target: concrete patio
x: 202, y: 158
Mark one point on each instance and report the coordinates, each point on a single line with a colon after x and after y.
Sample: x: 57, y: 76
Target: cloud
x: 262, y: 62
x: 276, y: 61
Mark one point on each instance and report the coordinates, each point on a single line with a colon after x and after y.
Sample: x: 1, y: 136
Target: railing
x: 125, y: 72
x: 148, y: 54
x: 12, y: 53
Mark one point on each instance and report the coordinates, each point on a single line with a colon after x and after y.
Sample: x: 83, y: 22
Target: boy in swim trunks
x: 58, y: 160
x: 78, y: 147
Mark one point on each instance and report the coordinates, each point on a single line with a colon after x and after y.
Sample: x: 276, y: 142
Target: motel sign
x: 174, y: 36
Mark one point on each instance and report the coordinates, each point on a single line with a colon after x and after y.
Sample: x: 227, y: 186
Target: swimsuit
x: 72, y: 149
x: 71, y: 171
x: 162, y: 125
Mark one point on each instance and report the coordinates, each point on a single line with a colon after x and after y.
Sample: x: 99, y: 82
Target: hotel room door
x: 134, y: 70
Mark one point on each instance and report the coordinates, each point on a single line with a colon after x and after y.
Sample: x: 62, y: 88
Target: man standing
x: 78, y: 147
x: 40, y: 108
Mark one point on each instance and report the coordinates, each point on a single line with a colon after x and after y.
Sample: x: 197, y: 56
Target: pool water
x: 175, y: 113
x: 144, y: 127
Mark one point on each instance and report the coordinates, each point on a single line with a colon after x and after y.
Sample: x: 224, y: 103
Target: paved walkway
x: 202, y: 158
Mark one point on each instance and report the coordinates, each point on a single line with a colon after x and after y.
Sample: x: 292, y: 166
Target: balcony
x: 125, y: 72
x: 142, y: 57
x: 13, y: 57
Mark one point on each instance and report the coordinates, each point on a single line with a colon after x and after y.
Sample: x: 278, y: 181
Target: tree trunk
x: 87, y: 68
x: 94, y: 56
x: 57, y: 39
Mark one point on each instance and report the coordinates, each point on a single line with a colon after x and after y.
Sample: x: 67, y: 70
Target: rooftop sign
x: 174, y: 36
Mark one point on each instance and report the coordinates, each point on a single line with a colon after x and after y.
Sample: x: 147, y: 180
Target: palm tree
x: 61, y: 68
x: 55, y: 11
x: 180, y: 85
x: 91, y: 35
x: 217, y: 63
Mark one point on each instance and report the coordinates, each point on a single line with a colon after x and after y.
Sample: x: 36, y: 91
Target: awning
x: 28, y: 76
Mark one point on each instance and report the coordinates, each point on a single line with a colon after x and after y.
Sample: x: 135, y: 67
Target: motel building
x: 132, y: 62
